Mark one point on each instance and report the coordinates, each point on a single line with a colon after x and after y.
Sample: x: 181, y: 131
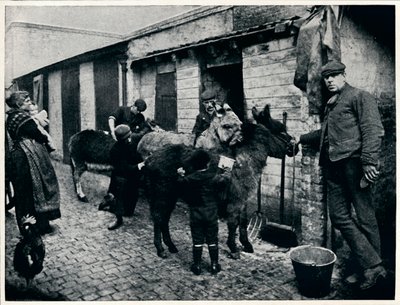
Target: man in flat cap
x: 129, y: 115
x: 204, y: 118
x: 349, y: 142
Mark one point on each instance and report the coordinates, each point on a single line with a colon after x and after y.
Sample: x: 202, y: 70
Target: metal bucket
x: 313, y: 268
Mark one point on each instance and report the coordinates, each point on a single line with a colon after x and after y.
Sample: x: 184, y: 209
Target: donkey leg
x: 77, y: 171
x: 165, y: 226
x: 244, y: 240
x: 243, y: 237
x: 232, y: 226
x: 157, y: 241
x: 167, y: 238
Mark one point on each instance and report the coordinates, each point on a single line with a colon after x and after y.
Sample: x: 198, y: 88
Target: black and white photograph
x: 199, y: 152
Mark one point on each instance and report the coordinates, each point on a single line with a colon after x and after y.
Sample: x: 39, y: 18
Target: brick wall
x: 215, y: 24
x: 144, y: 86
x: 252, y: 15
x: 371, y: 66
x: 187, y: 87
x: 268, y: 72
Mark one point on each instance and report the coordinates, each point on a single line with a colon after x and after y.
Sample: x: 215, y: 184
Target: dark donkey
x: 250, y: 154
x: 93, y: 147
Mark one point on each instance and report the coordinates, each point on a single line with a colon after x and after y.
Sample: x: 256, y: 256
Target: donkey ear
x: 219, y: 110
x: 255, y: 113
x: 266, y: 111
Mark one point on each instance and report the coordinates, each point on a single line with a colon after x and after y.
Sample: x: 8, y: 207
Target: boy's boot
x: 116, y: 224
x: 106, y: 202
x: 196, y: 266
x: 213, y: 251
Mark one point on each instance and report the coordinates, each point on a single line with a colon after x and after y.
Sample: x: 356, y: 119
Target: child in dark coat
x: 198, y: 188
x: 127, y: 164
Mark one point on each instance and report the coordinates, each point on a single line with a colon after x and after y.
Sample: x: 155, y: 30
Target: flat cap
x: 208, y: 94
x: 332, y: 67
x: 140, y: 105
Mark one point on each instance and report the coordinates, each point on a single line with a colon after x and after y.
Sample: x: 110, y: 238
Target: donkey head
x: 224, y: 130
x: 277, y: 129
x: 227, y: 126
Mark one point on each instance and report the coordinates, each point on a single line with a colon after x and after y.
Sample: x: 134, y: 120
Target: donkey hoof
x: 83, y: 199
x: 162, y: 254
x: 173, y: 249
x: 248, y: 248
x: 234, y: 255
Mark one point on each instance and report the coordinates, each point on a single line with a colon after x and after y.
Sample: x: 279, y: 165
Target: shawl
x: 46, y: 193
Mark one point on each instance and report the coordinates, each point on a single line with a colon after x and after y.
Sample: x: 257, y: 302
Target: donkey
x: 93, y: 146
x: 224, y: 131
x: 257, y: 143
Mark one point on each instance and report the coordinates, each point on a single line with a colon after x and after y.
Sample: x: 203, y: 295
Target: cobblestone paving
x: 86, y: 262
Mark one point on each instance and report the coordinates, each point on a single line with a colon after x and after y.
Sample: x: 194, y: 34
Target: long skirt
x: 35, y: 183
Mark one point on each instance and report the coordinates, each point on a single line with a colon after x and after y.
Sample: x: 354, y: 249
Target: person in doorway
x: 198, y: 183
x: 349, y: 143
x: 204, y: 118
x: 127, y: 164
x: 36, y: 189
x: 131, y: 116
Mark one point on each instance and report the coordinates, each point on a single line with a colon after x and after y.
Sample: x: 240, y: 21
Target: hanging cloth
x: 318, y: 42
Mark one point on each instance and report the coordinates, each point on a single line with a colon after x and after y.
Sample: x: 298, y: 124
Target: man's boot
x: 213, y: 251
x: 196, y: 266
x: 116, y: 224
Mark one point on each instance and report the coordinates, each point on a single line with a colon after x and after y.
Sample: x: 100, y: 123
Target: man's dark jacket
x: 353, y: 127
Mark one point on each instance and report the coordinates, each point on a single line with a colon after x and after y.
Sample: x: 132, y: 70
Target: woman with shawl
x: 31, y: 172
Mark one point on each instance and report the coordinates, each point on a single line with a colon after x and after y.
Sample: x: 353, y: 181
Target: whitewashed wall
x: 55, y: 112
x: 87, y: 96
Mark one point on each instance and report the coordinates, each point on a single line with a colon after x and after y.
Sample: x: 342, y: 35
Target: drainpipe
x: 124, y: 69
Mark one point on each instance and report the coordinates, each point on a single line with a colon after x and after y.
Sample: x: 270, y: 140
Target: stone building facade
x: 248, y: 53
x: 31, y: 46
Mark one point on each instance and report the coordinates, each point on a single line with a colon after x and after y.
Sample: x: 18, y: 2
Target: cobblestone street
x: 86, y: 262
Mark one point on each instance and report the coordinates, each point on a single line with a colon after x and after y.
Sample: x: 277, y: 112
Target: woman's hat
x: 16, y: 98
x: 122, y: 132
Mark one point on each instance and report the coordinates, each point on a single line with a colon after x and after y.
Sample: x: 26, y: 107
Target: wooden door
x: 70, y: 106
x: 166, y: 113
x: 106, y: 87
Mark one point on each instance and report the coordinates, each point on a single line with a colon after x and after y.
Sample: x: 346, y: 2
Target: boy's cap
x: 199, y: 159
x: 122, y: 132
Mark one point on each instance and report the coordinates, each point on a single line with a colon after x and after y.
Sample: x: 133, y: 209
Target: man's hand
x: 181, y: 171
x: 371, y: 173
x: 141, y: 165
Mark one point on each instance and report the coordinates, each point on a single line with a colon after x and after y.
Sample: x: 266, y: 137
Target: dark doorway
x: 70, y: 106
x: 230, y: 80
x: 166, y: 107
x: 106, y: 88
